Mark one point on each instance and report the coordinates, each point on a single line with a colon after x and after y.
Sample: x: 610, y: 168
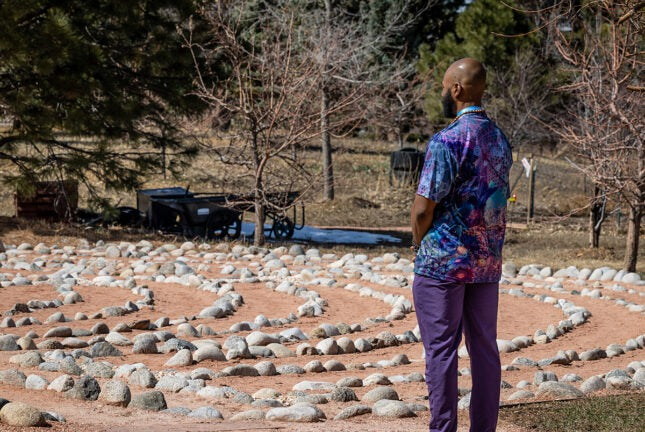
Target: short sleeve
x: 439, y: 171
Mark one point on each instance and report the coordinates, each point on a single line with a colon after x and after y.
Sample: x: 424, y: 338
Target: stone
x: 143, y: 378
x: 464, y: 402
x: 36, y: 382
x: 541, y: 377
x: 300, y: 412
x: 558, y: 390
x: 290, y: 369
x: 343, y: 394
x: 117, y: 339
x: 13, y: 377
x: 115, y: 393
x: 266, y: 393
x: 349, y: 382
x: 506, y: 346
x: 28, y: 359
x: 187, y: 330
x: 104, y: 349
x: 248, y: 415
x: 151, y: 401
x: 85, y: 388
x: 362, y: 345
x: 208, y: 352
x: 327, y: 346
x: 58, y: 332
x: 266, y: 368
x: 99, y: 370
x: 61, y: 384
x: 8, y: 343
x: 593, y: 354
x: 380, y: 393
x: 592, y: 384
x: 314, y: 366
x: 53, y: 416
x: 183, y: 357
x: 258, y: 338
x: 346, y: 345
x: 237, y: 348
x: 376, y: 379
x: 171, y: 383
x: 353, y: 411
x: 20, y: 414
x: 280, y: 351
x: 521, y: 394
x: 334, y: 366
x: 206, y: 412
x: 240, y: 370
x: 100, y: 328
x: 26, y: 343
x: 392, y: 408
x: 145, y: 344
x: 304, y: 386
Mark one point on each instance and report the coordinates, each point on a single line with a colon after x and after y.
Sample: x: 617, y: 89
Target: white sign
x: 527, y: 166
x: 203, y: 211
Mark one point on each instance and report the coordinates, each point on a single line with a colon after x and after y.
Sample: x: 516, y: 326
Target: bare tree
x: 522, y: 96
x: 396, y: 104
x: 601, y: 46
x: 353, y: 74
x: 264, y: 113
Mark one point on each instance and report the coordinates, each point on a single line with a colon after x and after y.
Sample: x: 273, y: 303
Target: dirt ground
x: 610, y: 323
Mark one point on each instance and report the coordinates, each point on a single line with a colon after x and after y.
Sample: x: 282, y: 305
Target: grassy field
x: 614, y: 413
x: 365, y: 198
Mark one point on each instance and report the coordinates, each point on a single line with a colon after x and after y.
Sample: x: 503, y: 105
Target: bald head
x: 464, y: 82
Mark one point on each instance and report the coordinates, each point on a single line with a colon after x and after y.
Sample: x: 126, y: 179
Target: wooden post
x: 531, y: 195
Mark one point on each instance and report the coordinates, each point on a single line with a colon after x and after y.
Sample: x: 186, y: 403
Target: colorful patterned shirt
x: 466, y: 173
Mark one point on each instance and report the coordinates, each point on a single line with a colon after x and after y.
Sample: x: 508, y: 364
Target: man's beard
x: 449, y: 106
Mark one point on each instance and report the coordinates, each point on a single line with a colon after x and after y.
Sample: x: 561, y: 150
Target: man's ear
x: 456, y: 90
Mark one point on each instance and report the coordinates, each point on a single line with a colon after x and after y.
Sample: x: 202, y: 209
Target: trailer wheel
x: 230, y: 230
x: 282, y: 227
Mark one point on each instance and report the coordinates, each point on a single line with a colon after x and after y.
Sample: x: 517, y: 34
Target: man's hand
x: 421, y: 216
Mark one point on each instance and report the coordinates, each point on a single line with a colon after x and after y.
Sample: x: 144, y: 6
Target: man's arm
x: 421, y: 216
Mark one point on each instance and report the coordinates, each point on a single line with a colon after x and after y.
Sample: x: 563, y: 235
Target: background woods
x: 308, y: 98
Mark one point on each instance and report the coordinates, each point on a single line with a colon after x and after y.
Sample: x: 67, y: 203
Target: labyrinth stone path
x: 221, y: 332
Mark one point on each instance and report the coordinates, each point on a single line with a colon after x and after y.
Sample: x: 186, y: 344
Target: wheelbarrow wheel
x: 282, y: 228
x: 230, y: 230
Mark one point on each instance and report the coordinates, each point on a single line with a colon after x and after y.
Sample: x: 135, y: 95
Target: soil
x: 609, y: 324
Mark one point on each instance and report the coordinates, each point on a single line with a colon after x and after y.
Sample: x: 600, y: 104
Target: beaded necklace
x: 468, y: 110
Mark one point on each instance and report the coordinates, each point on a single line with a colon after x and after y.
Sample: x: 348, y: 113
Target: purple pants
x: 443, y: 309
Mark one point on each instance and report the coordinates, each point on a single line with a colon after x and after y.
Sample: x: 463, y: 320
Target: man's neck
x: 462, y: 105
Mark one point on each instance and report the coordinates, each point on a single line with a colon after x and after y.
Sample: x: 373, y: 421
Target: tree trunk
x: 633, y: 233
x: 328, y: 169
x: 258, y: 192
x: 260, y: 216
x: 596, y: 218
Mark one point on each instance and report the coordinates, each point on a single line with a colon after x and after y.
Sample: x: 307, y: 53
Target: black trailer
x: 212, y: 216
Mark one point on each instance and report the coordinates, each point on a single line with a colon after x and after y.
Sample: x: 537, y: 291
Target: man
x: 458, y: 223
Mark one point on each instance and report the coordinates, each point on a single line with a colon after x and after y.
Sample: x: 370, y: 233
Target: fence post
x: 531, y: 193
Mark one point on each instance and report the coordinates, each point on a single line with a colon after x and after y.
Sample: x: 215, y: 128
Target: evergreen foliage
x: 92, y: 90
x: 478, y: 33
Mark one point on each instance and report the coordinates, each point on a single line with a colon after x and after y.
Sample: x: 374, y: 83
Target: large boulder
x: 85, y: 388
x: 300, y: 412
x: 151, y: 401
x: 20, y: 414
x: 115, y: 393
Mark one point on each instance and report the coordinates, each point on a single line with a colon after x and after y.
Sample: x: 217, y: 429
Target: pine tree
x: 92, y: 90
x: 477, y: 33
